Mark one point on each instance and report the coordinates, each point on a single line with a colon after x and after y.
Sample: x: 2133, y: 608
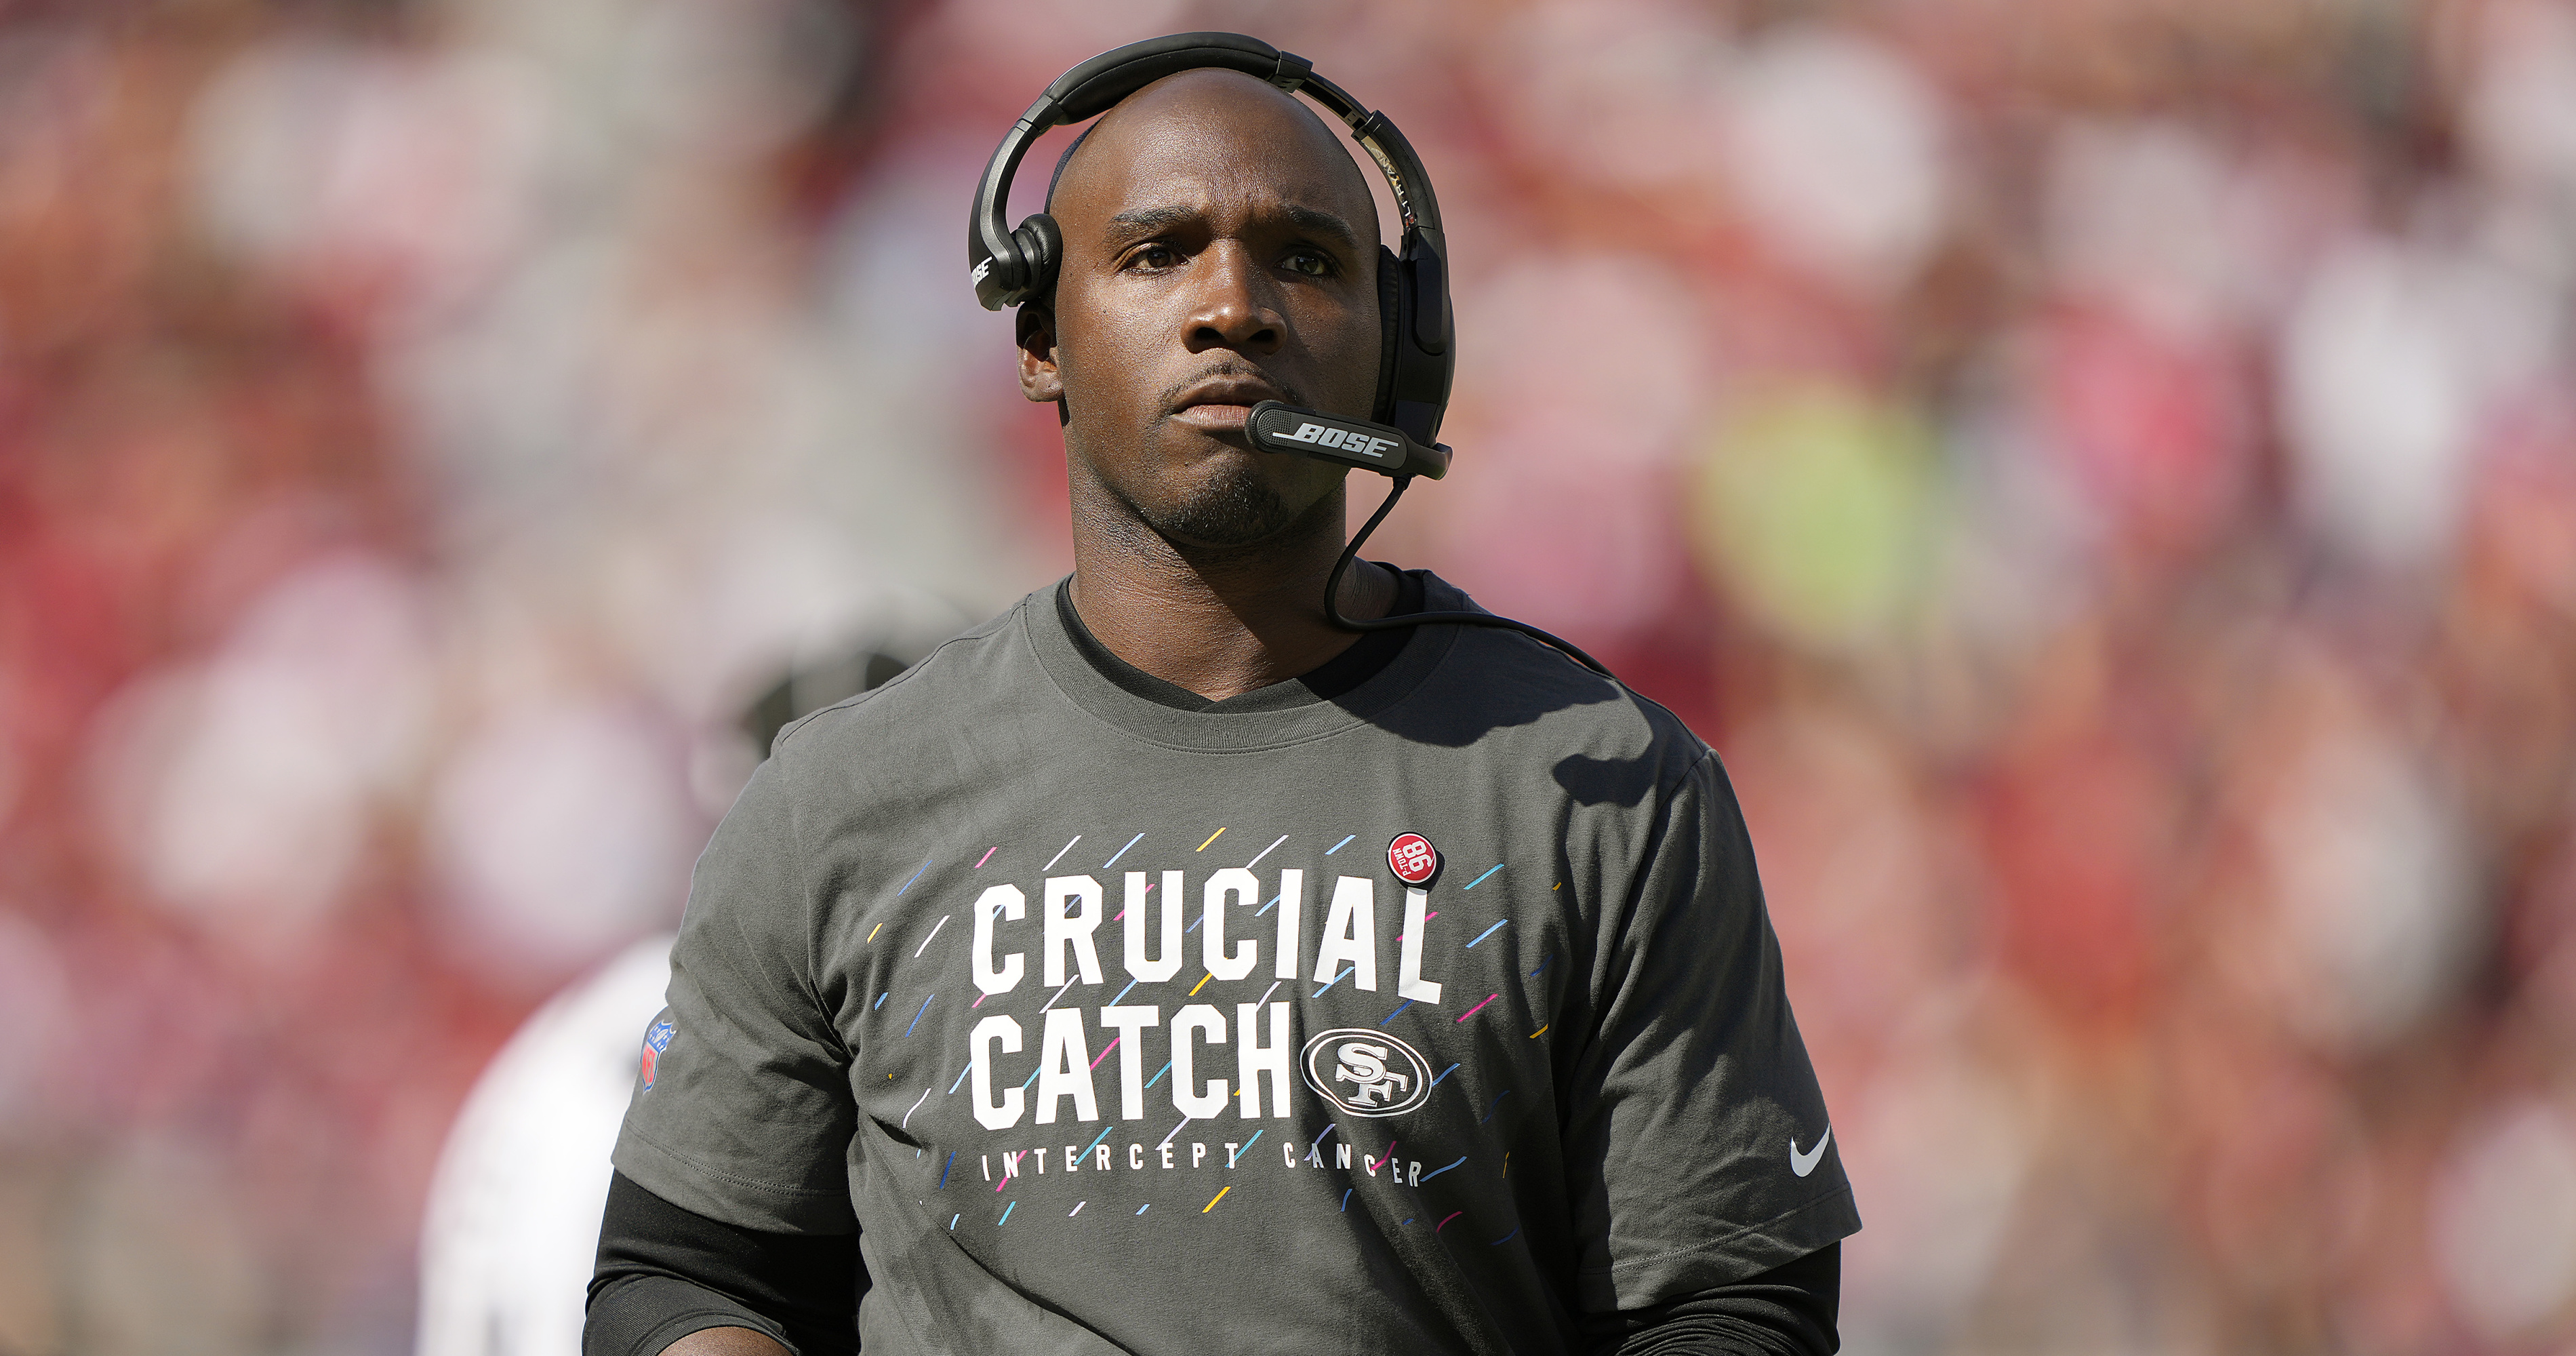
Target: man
x: 1157, y: 968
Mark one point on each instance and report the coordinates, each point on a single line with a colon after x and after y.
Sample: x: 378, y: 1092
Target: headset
x: 1416, y: 356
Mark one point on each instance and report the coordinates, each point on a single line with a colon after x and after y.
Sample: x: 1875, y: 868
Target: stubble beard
x: 1233, y: 507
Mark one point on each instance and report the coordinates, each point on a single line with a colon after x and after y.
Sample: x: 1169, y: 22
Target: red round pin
x: 1412, y: 858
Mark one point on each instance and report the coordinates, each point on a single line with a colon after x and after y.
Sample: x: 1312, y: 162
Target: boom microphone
x: 1383, y: 448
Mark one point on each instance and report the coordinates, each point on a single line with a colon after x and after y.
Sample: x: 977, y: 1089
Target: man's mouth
x: 1221, y: 404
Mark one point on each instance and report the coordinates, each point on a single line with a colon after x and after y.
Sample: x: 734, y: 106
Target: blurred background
x: 2102, y: 472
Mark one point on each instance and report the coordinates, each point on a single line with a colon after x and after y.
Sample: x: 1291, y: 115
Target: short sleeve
x: 1697, y: 1136
x: 742, y: 1109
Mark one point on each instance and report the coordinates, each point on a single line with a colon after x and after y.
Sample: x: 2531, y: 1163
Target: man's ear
x: 1041, y: 380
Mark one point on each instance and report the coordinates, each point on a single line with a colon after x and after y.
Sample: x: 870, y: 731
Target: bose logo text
x: 982, y: 269
x: 1323, y: 436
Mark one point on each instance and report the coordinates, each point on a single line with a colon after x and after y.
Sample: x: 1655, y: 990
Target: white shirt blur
x: 512, y: 1226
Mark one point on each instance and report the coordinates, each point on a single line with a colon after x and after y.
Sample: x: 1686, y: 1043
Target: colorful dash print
x: 1480, y: 1007
x: 1346, y: 842
x: 1113, y: 857
x: 1437, y: 1171
x: 1220, y: 833
x: 1497, y: 927
x: 934, y: 931
x: 925, y: 865
x: 916, y: 1017
x: 1059, y: 852
x: 1256, y: 857
x: 1220, y: 1195
x: 1481, y: 879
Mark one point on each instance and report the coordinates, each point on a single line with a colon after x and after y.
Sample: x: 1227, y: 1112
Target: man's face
x: 1220, y: 249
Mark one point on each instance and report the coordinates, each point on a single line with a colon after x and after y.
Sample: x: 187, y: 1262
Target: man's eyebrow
x: 1144, y: 221
x: 1139, y: 222
x: 1322, y: 223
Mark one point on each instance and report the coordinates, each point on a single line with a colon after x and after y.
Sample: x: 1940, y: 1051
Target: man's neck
x: 1220, y: 621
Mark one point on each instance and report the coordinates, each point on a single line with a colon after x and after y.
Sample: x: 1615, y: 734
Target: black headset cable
x: 1333, y: 591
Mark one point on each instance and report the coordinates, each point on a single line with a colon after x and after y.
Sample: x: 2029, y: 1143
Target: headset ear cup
x: 1041, y: 248
x: 1391, y: 322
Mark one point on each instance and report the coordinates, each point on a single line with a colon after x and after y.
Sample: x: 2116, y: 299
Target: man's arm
x: 1704, y: 1226
x: 1787, y: 1311
x: 672, y: 1280
x: 730, y: 1205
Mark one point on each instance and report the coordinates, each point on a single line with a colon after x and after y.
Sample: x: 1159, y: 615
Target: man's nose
x: 1235, y: 304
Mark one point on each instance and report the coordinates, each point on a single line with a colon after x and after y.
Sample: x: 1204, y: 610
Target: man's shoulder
x: 978, y: 667
x: 1498, y: 687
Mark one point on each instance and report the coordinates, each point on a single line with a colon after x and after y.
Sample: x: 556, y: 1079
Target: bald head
x: 1220, y: 248
x: 1192, y: 97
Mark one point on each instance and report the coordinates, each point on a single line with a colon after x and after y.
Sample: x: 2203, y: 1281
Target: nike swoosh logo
x: 1804, y: 1163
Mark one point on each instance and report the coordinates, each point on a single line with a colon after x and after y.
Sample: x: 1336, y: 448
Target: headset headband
x: 1015, y: 267
x: 1097, y: 85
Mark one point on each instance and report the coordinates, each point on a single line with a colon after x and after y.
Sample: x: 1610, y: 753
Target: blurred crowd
x: 2103, y: 473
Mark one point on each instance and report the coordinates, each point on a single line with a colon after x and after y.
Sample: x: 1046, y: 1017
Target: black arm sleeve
x: 1787, y: 1311
x: 665, y: 1272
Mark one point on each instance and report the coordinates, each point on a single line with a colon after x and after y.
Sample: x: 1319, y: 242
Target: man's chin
x: 1228, y: 510
x: 1202, y: 488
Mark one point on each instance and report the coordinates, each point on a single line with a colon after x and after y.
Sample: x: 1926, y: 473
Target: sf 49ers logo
x: 1412, y: 858
x: 1366, y: 1072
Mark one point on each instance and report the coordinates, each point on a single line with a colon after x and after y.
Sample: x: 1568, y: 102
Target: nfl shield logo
x: 656, y: 1041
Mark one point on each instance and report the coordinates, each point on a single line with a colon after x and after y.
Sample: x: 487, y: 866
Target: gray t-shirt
x: 1111, y: 1025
